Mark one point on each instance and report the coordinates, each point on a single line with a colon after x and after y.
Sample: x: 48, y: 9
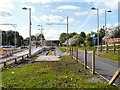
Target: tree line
x: 91, y: 38
x: 8, y: 38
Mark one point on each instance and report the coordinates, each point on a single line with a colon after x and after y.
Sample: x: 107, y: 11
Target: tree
x: 8, y: 38
x: 89, y: 40
x: 116, y: 33
x: 83, y: 35
x: 101, y: 34
x: 63, y: 37
x: 79, y: 41
x: 39, y: 37
x: 72, y: 34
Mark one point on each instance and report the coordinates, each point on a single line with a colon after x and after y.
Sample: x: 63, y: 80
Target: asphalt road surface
x: 105, y: 67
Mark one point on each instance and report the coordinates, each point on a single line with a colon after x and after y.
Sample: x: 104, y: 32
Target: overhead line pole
x: 62, y: 24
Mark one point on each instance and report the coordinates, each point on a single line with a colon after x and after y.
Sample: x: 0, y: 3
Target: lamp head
x: 93, y: 8
x: 24, y: 8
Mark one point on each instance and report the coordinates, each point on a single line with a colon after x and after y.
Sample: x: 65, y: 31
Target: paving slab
x: 48, y: 58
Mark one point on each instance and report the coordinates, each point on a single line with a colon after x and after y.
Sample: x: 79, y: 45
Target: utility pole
x: 41, y: 35
x: 62, y: 24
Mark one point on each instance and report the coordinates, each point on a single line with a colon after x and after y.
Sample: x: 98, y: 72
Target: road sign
x: 94, y: 40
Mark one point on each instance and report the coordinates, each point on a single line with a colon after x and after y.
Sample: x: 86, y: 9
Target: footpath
x: 103, y: 66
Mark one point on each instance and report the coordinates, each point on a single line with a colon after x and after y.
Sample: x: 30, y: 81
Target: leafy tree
x: 8, y: 38
x: 39, y: 37
x: 83, y: 35
x: 116, y: 33
x: 79, y: 41
x: 89, y: 40
x: 101, y: 34
x: 63, y: 37
x: 72, y: 34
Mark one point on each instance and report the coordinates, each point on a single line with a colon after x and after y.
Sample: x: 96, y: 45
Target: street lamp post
x: 105, y: 26
x: 0, y: 38
x: 67, y: 34
x: 93, y: 8
x: 30, y: 23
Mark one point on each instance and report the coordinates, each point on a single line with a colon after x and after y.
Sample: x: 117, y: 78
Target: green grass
x: 111, y: 56
x: 59, y: 74
x: 111, y: 47
x: 63, y: 49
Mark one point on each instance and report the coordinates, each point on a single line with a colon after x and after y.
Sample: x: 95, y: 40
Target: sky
x: 80, y: 16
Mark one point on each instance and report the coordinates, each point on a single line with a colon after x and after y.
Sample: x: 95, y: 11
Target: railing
x: 6, y: 60
x: 15, y: 57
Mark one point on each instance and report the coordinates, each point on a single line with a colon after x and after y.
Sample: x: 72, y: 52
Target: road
x: 105, y: 67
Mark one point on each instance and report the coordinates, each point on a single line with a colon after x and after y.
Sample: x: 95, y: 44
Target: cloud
x: 51, y: 18
x: 81, y: 13
x: 6, y: 5
x: 86, y: 21
x: 53, y: 34
x: 68, y: 7
x: 39, y: 1
x: 36, y: 18
x: 5, y: 14
x: 56, y: 19
x: 110, y: 4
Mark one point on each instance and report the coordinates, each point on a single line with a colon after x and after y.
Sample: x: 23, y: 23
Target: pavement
x: 104, y: 67
x: 54, y: 57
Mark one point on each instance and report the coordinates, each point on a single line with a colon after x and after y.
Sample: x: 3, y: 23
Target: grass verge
x: 110, y: 55
x: 63, y: 49
x: 65, y: 73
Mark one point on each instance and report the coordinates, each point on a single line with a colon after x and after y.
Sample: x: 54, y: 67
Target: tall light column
x: 105, y: 26
x: 30, y: 23
x: 0, y: 38
x: 67, y: 34
x: 93, y: 8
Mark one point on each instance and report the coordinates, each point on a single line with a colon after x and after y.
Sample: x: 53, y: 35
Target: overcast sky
x: 81, y: 17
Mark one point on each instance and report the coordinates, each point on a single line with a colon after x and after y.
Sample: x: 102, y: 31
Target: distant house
x: 113, y: 41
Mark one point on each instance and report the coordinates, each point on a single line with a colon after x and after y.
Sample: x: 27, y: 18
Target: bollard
x: 114, y: 49
x: 85, y: 59
x: 27, y: 56
x: 2, y: 52
x: 16, y: 61
x: 76, y: 53
x: 93, y: 62
x: 5, y: 65
x: 50, y: 52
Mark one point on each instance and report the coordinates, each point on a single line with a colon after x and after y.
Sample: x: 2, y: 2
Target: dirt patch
x: 95, y: 79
